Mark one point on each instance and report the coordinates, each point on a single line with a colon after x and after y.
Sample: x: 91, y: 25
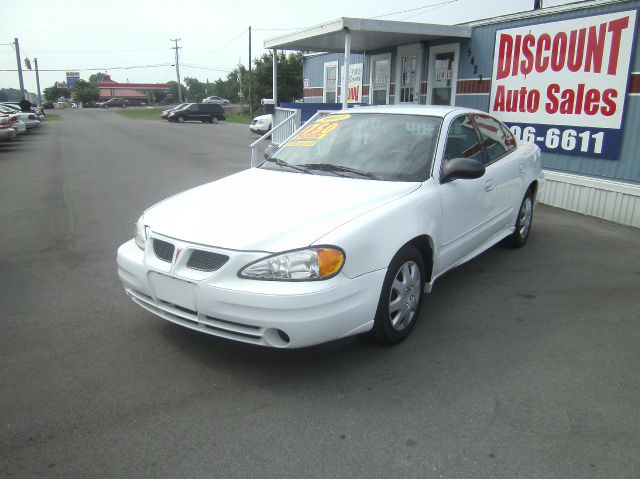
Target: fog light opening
x: 284, y: 336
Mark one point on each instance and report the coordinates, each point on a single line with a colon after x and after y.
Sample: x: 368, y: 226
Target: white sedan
x: 217, y: 100
x: 339, y: 232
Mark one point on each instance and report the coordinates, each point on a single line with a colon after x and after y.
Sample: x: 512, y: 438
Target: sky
x: 79, y: 35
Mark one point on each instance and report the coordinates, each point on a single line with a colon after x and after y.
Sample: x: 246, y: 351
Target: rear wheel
x: 400, y: 298
x: 523, y: 223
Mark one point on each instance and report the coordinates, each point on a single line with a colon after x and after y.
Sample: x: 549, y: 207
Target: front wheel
x: 400, y: 298
x: 523, y: 224
x: 180, y: 119
x: 214, y: 120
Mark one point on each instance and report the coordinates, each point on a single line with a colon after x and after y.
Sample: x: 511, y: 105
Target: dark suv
x: 199, y: 112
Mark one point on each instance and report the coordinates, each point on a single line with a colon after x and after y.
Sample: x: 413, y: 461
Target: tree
x: 86, y: 92
x: 53, y: 93
x: 196, y: 90
x: 98, y: 77
x: 289, y: 78
x: 173, y: 91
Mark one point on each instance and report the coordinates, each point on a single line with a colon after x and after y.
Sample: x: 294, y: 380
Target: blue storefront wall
x: 476, y: 64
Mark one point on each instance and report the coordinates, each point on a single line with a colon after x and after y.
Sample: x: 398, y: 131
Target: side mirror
x: 461, y: 168
x: 270, y: 150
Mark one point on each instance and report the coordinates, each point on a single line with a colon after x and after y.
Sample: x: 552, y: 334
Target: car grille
x: 163, y: 250
x: 206, y: 260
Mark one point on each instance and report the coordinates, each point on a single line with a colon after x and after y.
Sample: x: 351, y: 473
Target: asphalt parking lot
x: 524, y: 364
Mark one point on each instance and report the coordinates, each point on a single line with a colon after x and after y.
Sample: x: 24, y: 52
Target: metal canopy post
x: 345, y: 76
x: 275, y: 78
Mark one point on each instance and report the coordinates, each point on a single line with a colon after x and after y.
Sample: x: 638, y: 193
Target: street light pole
x: 17, y: 45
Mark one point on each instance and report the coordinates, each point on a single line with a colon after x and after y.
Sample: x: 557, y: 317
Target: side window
x: 462, y: 140
x: 508, y: 137
x: 494, y: 138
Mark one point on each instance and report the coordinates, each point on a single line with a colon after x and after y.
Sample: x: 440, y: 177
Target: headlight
x: 140, y: 232
x: 310, y: 264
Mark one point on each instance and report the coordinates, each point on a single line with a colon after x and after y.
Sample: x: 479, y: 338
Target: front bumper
x: 266, y: 313
x: 7, y: 134
x: 259, y: 128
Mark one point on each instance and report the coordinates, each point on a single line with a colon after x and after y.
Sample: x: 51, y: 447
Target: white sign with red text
x: 572, y: 72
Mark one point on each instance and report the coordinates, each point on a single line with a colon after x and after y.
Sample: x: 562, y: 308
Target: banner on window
x: 563, y: 84
x: 354, y: 84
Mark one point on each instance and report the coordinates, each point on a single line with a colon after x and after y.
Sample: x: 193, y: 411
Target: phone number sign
x: 562, y: 85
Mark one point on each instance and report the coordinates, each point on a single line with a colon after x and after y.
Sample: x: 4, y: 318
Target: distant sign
x: 61, y: 84
x: 563, y: 84
x: 72, y: 78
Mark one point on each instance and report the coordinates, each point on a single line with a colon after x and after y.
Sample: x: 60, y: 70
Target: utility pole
x: 17, y: 45
x: 250, y: 105
x: 176, y: 48
x: 35, y: 60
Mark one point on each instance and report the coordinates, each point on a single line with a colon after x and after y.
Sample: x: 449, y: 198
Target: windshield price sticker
x: 301, y: 143
x: 332, y: 118
x: 317, y: 131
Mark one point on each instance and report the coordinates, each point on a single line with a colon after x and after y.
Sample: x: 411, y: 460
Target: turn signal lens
x: 330, y: 261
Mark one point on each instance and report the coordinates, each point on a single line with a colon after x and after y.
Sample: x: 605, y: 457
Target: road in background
x: 523, y: 363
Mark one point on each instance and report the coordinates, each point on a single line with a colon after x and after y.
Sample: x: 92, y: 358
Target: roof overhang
x: 366, y: 35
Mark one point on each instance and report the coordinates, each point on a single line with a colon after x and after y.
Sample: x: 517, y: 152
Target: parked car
x: 198, y: 111
x: 29, y: 119
x: 165, y: 113
x: 261, y: 124
x: 113, y: 102
x: 6, y: 132
x: 40, y: 114
x: 217, y: 100
x: 340, y: 231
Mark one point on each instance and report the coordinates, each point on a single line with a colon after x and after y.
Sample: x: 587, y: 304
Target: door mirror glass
x: 461, y: 168
x: 270, y: 150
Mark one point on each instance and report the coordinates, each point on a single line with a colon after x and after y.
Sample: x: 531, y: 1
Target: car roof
x: 426, y: 110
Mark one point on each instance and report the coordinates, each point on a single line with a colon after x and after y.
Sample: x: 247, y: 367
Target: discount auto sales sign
x: 563, y: 84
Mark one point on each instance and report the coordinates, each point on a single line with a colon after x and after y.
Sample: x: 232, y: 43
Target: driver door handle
x: 488, y: 186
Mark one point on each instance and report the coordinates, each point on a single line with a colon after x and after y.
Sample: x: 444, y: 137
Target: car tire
x: 180, y: 119
x: 524, y: 221
x: 400, y: 298
x: 215, y: 120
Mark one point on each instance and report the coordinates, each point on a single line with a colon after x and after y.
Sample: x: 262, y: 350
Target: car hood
x: 266, y: 210
x: 262, y: 117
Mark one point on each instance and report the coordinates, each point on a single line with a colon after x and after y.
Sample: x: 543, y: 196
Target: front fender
x: 371, y: 240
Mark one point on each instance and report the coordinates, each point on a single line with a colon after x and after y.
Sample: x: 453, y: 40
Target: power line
x: 219, y: 48
x: 158, y: 65
x: 415, y: 9
x: 435, y: 7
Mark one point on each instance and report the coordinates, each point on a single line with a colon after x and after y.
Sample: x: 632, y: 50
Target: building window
x: 330, y: 82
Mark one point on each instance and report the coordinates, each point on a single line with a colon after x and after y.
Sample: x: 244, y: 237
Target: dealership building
x: 564, y: 77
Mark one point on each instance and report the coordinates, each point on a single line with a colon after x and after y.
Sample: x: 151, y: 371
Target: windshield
x: 389, y: 147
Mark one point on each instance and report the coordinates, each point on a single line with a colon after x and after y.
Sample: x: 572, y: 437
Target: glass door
x: 380, y: 79
x: 408, y: 74
x: 443, y: 74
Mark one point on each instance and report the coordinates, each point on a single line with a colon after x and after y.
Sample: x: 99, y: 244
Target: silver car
x: 217, y: 100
